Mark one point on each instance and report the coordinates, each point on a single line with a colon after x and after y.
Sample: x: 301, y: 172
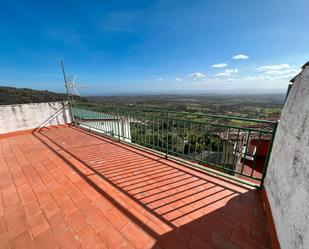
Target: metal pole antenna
x: 70, y: 101
x: 65, y: 79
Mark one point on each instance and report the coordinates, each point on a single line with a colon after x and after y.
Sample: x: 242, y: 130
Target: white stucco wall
x: 287, y: 180
x: 30, y: 116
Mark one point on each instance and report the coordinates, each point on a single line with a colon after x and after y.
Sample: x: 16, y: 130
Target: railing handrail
x: 199, y: 114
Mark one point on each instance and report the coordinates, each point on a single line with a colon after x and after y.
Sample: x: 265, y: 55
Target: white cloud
x: 220, y: 65
x: 255, y: 78
x: 282, y: 72
x: 227, y: 73
x: 230, y: 79
x: 178, y: 79
x: 273, y: 73
x: 240, y: 57
x: 196, y: 76
x: 273, y: 67
x: 159, y: 79
x: 213, y: 82
x: 277, y: 71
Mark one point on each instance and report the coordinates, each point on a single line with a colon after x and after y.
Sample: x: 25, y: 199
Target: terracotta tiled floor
x: 66, y: 188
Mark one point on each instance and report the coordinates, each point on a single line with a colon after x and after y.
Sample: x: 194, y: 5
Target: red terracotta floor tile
x: 112, y: 237
x: 43, y: 196
x: 50, y: 209
x: 66, y: 188
x: 198, y: 243
x: 11, y: 199
x: 175, y: 244
x: 45, y: 240
x: 22, y: 241
x: 244, y: 241
x: 136, y: 236
x: 15, y: 221
x: 89, y: 239
x: 2, y: 225
x: 67, y: 239
x: 4, y: 241
x: 58, y: 222
x: 38, y: 225
x: 77, y: 221
x: 222, y: 243
x: 117, y: 218
x: 32, y: 209
x: 68, y: 207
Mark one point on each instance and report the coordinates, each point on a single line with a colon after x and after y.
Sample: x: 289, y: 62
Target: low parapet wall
x: 287, y: 180
x: 21, y: 117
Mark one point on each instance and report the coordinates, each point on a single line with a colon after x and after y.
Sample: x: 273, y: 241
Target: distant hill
x: 12, y: 95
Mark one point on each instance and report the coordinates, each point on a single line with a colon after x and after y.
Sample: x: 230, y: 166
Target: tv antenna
x: 70, y: 85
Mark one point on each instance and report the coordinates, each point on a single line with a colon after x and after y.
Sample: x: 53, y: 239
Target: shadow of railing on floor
x: 229, y: 226
x: 176, y: 197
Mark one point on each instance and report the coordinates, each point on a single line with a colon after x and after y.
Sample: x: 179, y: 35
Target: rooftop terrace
x: 63, y: 187
x: 92, y: 177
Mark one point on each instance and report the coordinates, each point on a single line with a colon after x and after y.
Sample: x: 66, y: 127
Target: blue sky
x: 153, y: 46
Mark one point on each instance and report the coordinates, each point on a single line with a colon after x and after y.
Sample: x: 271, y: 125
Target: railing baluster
x: 162, y: 134
x: 178, y: 140
x: 203, y: 143
x: 144, y: 130
x: 236, y: 152
x: 189, y: 140
x: 183, y: 139
x: 210, y: 144
x: 167, y: 131
x: 137, y: 127
x: 226, y: 147
x: 218, y: 146
x: 245, y: 155
x: 158, y: 140
x: 172, y: 137
x: 196, y: 139
x: 118, y: 124
x: 256, y: 154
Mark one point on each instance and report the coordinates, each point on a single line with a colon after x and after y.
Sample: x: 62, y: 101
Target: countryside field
x: 265, y: 106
